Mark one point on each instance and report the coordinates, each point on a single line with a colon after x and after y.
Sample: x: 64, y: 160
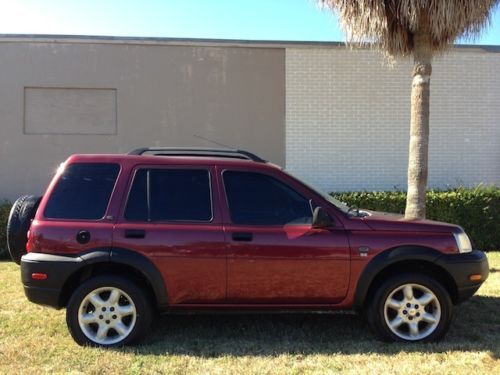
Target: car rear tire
x: 21, y: 214
x: 108, y: 311
x: 410, y: 308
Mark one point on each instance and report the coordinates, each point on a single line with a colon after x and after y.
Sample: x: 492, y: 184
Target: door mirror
x: 321, y: 219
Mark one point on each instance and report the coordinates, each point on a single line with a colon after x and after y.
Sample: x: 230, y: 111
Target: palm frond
x: 391, y: 24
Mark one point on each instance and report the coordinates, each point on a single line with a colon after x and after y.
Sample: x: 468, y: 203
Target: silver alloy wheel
x: 412, y: 312
x: 107, y: 315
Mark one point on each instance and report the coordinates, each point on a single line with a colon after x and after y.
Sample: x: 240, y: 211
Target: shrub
x: 4, y: 215
x: 477, y: 210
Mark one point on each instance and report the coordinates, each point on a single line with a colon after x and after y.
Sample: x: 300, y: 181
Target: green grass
x: 34, y: 339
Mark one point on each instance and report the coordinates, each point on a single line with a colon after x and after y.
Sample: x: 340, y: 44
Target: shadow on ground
x: 476, y: 327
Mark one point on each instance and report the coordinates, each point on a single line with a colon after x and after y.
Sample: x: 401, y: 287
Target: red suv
x: 117, y: 238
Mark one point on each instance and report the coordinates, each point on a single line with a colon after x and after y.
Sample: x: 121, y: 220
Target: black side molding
x: 385, y: 259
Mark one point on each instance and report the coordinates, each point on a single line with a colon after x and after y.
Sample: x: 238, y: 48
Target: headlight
x: 463, y: 242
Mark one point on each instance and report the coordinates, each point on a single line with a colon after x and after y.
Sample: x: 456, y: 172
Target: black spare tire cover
x: 21, y: 214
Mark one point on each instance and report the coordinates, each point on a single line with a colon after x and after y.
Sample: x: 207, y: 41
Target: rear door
x: 275, y: 256
x: 171, y: 216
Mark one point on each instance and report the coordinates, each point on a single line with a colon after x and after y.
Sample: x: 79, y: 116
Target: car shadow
x: 475, y: 328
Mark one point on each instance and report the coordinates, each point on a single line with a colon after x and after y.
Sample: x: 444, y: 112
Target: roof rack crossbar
x: 190, y: 151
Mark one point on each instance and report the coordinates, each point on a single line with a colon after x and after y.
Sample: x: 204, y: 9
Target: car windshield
x: 339, y: 204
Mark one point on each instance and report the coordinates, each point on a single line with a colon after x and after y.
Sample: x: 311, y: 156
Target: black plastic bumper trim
x: 461, y: 266
x: 43, y: 296
x: 58, y: 269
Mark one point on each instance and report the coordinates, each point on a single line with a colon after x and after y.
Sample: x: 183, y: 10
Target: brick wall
x: 348, y: 117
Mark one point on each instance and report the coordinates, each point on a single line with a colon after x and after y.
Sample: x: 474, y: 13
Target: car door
x: 274, y: 254
x: 171, y: 216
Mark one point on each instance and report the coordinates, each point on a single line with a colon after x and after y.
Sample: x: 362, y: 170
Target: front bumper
x: 461, y: 267
x: 58, y: 269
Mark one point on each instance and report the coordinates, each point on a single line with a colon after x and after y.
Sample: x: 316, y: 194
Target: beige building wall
x: 339, y: 118
x: 347, y: 118
x: 59, y: 97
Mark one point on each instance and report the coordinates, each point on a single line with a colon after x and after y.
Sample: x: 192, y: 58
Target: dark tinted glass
x: 82, y: 192
x: 137, y: 204
x: 174, y: 195
x: 258, y: 199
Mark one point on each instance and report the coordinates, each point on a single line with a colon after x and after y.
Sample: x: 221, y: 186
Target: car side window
x: 82, y: 192
x: 170, y: 195
x: 259, y: 199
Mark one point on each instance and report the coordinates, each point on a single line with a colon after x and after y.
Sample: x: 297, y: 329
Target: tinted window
x: 258, y: 199
x: 137, y: 204
x: 82, y: 192
x: 173, y: 195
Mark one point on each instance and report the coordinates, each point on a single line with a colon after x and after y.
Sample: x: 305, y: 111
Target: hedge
x: 477, y: 210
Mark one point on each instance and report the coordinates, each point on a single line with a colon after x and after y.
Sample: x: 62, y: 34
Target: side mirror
x: 321, y: 219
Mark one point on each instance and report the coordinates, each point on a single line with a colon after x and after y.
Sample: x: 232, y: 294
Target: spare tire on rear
x: 22, y: 213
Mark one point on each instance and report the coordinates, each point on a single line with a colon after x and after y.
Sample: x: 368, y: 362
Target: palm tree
x: 418, y: 28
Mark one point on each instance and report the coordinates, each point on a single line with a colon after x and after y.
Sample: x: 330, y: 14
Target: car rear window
x: 82, y: 192
x: 170, y: 195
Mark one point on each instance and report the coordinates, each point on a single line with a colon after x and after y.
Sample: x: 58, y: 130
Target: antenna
x: 214, y: 142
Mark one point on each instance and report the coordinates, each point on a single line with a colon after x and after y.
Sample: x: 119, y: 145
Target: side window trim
x: 148, y: 169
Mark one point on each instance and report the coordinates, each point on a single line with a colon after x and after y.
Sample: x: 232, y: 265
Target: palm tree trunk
x: 419, y: 126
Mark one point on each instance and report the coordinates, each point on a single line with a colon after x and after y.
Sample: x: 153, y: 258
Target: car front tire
x: 108, y: 311
x: 410, y: 308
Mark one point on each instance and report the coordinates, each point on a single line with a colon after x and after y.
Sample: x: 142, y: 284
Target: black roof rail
x: 191, y: 151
